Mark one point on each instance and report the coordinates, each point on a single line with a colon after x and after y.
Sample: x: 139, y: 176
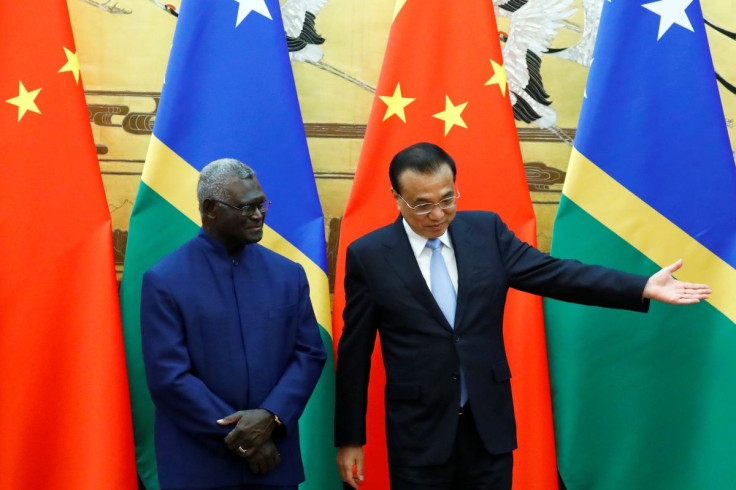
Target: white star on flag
x: 670, y: 12
x: 245, y: 7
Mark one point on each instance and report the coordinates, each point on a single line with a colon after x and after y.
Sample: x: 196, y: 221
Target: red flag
x: 64, y: 406
x: 443, y: 82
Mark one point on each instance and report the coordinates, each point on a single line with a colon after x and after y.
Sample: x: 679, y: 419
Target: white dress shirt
x: 424, y: 254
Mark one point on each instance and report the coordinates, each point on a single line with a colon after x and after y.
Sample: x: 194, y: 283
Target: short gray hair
x: 216, y: 175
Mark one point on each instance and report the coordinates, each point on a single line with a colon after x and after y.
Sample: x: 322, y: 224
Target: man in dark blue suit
x: 434, y: 285
x: 231, y: 347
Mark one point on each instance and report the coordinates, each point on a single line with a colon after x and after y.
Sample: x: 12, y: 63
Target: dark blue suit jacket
x: 422, y: 354
x: 224, y: 333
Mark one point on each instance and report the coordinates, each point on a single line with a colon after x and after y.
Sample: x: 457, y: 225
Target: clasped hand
x: 251, y: 438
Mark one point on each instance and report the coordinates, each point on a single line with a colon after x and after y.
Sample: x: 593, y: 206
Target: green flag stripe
x: 647, y: 230
x: 156, y: 228
x: 320, y: 469
x: 677, y: 362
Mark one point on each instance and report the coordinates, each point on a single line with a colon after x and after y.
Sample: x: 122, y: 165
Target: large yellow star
x: 452, y: 115
x: 498, y: 78
x: 25, y: 100
x: 396, y: 104
x: 72, y: 64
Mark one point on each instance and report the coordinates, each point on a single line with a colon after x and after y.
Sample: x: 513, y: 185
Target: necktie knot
x: 434, y: 244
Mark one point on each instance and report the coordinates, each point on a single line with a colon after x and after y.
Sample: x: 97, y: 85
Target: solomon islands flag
x: 647, y: 401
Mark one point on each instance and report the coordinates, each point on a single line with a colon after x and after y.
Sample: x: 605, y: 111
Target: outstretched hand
x: 665, y: 288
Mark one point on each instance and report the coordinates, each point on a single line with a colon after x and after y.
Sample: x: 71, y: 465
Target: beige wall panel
x: 124, y: 47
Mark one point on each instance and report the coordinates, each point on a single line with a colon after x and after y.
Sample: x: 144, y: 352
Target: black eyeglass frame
x: 249, y: 209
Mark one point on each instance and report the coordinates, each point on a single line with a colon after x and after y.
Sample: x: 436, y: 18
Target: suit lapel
x: 460, y: 233
x: 400, y: 257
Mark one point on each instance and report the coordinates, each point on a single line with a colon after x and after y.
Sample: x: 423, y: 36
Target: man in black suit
x: 434, y: 284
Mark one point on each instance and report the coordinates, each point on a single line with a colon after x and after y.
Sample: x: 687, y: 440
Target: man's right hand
x: 263, y: 459
x: 350, y: 465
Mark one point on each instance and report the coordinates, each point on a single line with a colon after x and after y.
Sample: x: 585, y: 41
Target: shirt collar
x: 217, y: 247
x: 418, y: 242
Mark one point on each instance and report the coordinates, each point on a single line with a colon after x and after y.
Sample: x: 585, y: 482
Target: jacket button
x: 455, y: 376
x: 457, y: 340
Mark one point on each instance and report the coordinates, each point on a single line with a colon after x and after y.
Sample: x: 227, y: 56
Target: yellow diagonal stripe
x: 172, y: 178
x: 319, y: 286
x: 649, y: 231
x: 175, y: 180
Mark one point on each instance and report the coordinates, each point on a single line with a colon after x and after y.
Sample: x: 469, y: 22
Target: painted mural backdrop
x: 337, y: 48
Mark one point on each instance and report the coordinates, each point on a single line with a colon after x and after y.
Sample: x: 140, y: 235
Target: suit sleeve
x: 290, y: 395
x: 174, y: 389
x: 568, y: 280
x: 354, y: 355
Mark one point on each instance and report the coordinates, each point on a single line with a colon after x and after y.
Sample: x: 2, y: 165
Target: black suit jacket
x: 422, y: 354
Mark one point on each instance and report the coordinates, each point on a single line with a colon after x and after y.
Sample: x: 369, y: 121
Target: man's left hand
x: 665, y: 288
x: 253, y: 429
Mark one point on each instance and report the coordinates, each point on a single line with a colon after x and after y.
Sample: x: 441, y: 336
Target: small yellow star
x: 25, y: 100
x: 72, y: 64
x: 451, y: 115
x: 499, y: 77
x: 396, y: 104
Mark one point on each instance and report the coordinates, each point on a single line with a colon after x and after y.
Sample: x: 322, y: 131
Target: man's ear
x: 396, y: 198
x: 209, y: 209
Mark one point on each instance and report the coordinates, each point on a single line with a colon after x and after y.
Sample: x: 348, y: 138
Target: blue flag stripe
x: 662, y: 131
x: 219, y: 76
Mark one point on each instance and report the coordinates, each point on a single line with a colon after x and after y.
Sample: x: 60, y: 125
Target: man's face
x: 228, y: 225
x: 417, y: 188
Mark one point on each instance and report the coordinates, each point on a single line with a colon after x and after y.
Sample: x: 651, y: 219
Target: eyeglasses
x: 426, y: 208
x: 250, y: 208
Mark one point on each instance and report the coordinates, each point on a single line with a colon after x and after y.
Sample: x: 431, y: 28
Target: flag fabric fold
x: 65, y: 417
x: 229, y: 92
x: 644, y: 401
x: 443, y: 81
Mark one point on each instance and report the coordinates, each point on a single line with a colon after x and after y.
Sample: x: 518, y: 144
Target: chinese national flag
x: 443, y: 82
x: 64, y: 406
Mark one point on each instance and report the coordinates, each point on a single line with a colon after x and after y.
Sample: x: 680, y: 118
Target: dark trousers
x: 470, y: 466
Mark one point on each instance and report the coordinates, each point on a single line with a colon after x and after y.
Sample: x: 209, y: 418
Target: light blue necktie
x: 445, y: 295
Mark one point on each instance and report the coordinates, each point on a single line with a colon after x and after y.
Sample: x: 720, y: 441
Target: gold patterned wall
x: 123, y: 49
